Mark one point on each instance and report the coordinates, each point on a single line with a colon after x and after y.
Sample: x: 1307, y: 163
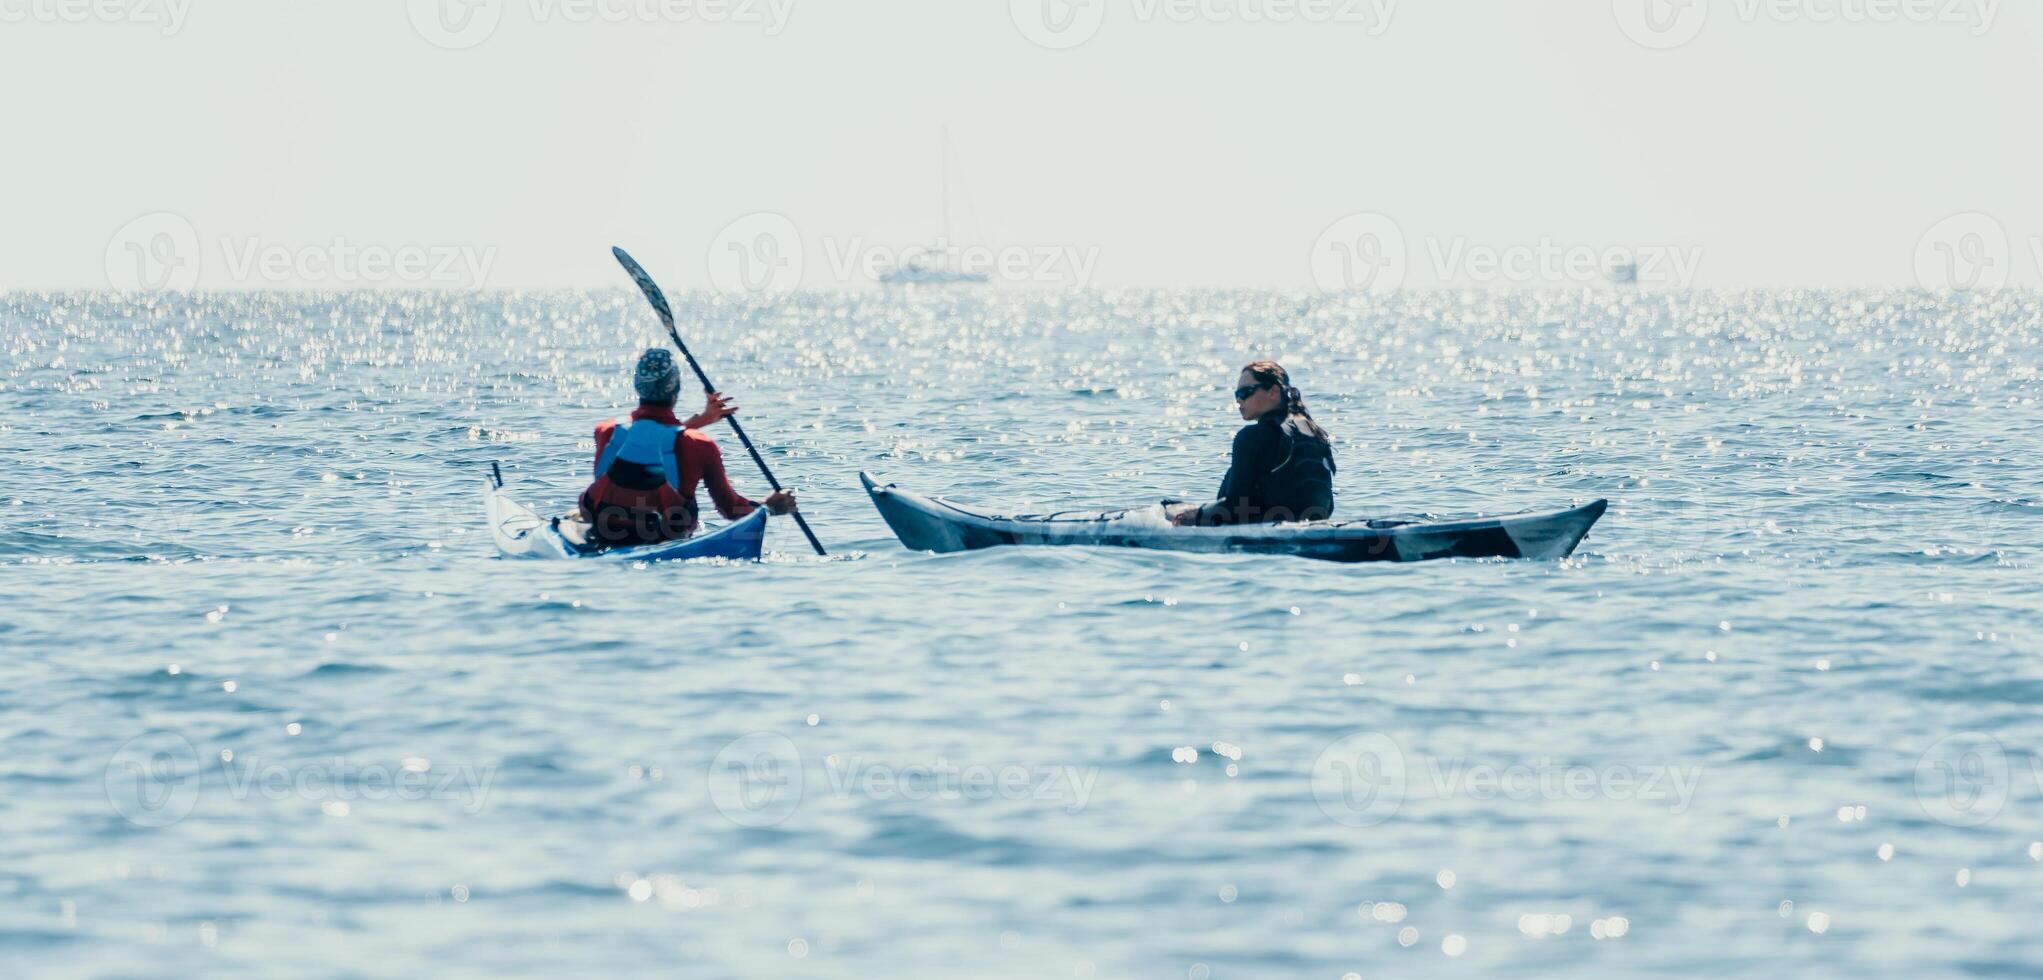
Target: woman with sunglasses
x: 1283, y: 467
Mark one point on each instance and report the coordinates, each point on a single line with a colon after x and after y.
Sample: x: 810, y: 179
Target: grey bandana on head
x: 657, y: 377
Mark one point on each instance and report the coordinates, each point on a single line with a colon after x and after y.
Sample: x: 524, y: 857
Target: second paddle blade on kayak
x: 934, y: 524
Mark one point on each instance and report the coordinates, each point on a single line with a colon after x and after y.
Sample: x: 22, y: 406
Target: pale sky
x: 1777, y: 148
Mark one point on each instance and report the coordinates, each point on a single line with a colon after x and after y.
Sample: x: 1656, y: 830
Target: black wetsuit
x: 1280, y: 473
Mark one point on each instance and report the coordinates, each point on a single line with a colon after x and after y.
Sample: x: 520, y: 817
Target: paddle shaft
x: 659, y: 301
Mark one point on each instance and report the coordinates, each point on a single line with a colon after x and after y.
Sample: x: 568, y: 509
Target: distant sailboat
x: 935, y: 266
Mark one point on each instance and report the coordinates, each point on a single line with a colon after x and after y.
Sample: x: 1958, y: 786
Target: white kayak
x: 520, y: 533
x: 934, y: 524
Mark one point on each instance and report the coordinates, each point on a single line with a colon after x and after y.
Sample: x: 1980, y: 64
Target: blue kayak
x: 520, y: 533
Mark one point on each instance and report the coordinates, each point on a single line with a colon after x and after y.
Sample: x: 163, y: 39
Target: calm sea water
x: 270, y: 705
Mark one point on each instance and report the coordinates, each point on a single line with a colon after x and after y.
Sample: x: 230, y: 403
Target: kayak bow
x: 934, y: 524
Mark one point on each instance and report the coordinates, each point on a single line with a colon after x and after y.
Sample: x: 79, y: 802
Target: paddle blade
x: 646, y: 285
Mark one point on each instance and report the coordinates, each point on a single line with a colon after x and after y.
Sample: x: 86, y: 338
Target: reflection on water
x: 271, y: 704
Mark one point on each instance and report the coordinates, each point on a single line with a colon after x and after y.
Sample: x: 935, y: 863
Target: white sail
x: 935, y: 265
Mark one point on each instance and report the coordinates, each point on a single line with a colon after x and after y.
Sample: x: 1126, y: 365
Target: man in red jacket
x: 649, y: 463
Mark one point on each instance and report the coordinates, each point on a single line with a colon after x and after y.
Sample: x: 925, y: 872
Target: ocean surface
x: 269, y: 704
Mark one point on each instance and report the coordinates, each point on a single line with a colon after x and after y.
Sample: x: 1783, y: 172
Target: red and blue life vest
x: 637, y: 496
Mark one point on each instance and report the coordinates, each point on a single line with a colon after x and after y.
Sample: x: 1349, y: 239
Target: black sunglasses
x: 1242, y: 394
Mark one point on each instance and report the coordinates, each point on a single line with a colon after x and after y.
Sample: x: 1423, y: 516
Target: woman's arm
x: 1241, y: 485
